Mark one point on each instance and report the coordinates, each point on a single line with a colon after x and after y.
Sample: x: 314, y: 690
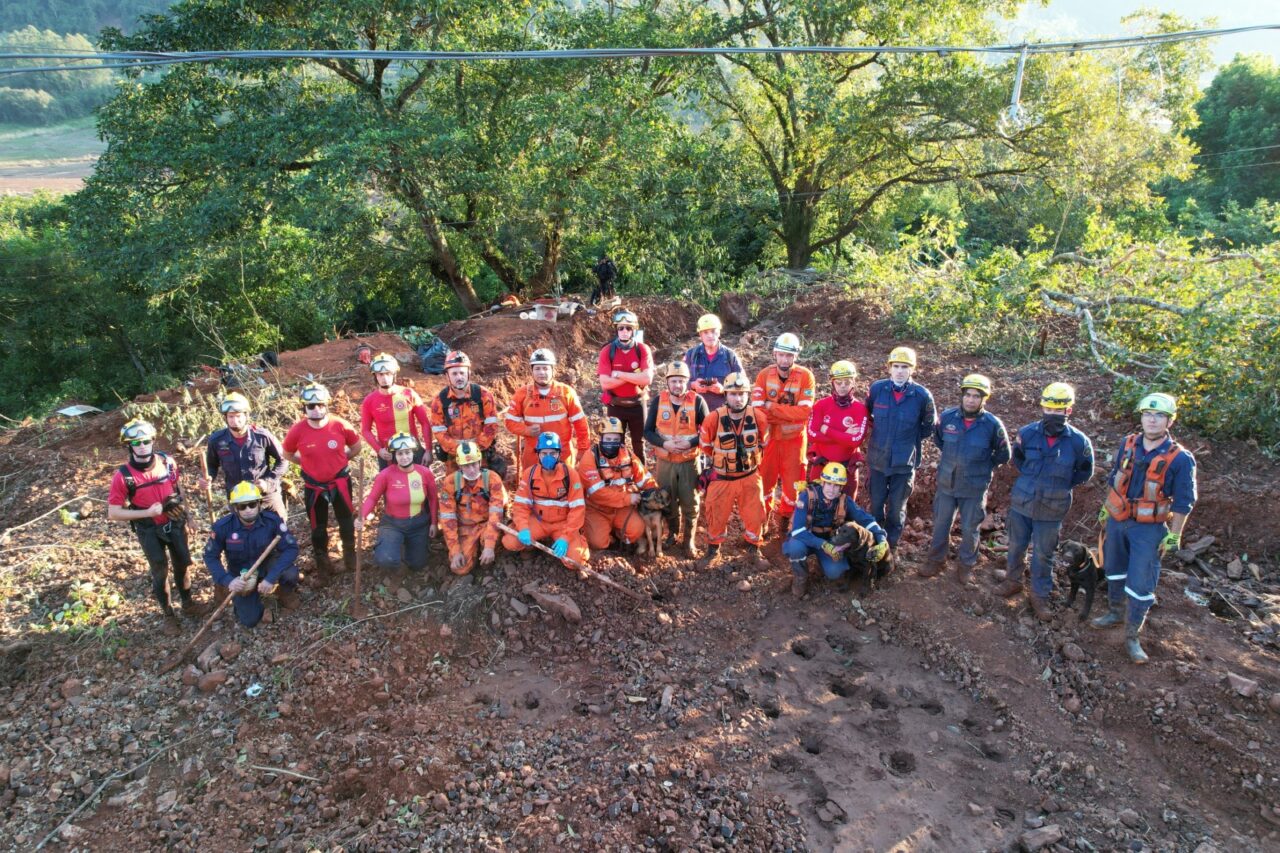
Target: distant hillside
x: 76, y: 16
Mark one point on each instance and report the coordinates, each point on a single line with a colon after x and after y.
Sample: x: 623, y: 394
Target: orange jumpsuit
x: 788, y: 402
x: 470, y: 511
x: 550, y: 505
x: 610, y: 483
x: 556, y: 411
x: 454, y: 418
x: 733, y: 449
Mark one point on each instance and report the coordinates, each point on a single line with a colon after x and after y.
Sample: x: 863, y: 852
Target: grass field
x: 73, y: 139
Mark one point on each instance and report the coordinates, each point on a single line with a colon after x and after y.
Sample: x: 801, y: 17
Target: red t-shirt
x: 153, y: 486
x: 324, y: 450
x: 407, y: 494
x: 384, y: 415
x: 639, y: 357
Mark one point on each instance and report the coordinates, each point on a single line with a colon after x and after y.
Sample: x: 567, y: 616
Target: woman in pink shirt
x: 409, y: 511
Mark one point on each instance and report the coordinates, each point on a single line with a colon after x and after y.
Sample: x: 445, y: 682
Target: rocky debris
x: 1246, y: 687
x: 229, y: 651
x: 191, y: 675
x: 71, y: 688
x: 519, y: 607
x: 207, y: 660
x: 1038, y: 839
x: 211, y: 681
x: 1274, y: 702
x: 1130, y: 818
x: 555, y: 602
x: 1235, y: 569
x: 1073, y: 653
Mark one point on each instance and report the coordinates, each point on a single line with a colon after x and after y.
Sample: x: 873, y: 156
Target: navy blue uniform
x: 242, y: 545
x: 811, y: 528
x: 899, y: 426
x: 971, y: 452
x: 259, y: 458
x: 1041, y: 498
x: 1131, y: 552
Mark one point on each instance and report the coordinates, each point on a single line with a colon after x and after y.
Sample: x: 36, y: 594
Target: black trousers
x: 632, y: 418
x: 161, y: 544
x: 319, y: 497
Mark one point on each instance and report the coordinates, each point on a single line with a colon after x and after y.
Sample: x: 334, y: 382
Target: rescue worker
x: 732, y: 441
x: 409, y: 509
x: 626, y: 371
x: 1151, y: 491
x: 145, y: 492
x: 786, y: 393
x: 672, y: 427
x: 545, y: 405
x: 974, y: 443
x: 709, y: 362
x: 321, y: 445
x: 245, y: 452
x: 613, y: 479
x: 837, y: 428
x: 465, y: 411
x: 391, y: 409
x: 821, y: 509
x: 550, y: 504
x: 606, y: 273
x: 902, y: 416
x: 240, y: 537
x: 472, y: 502
x: 1052, y: 458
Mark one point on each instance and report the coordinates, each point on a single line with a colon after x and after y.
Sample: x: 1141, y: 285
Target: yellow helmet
x: 384, y: 362
x: 610, y: 426
x: 244, y: 492
x: 708, y: 321
x: 402, y: 441
x: 468, y: 453
x: 1058, y: 395
x: 844, y: 370
x: 978, y: 383
x: 835, y: 473
x: 736, y: 382
x: 1165, y: 404
x: 234, y: 402
x: 787, y: 342
x: 314, y: 392
x: 137, y: 430
x: 902, y: 355
x: 677, y: 368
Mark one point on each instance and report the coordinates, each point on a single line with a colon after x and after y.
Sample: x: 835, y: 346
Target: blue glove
x: 525, y: 537
x: 560, y: 547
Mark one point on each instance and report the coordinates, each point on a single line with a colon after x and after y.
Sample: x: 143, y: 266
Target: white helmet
x: 542, y: 356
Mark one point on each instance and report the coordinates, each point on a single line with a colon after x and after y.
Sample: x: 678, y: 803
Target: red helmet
x: 456, y: 358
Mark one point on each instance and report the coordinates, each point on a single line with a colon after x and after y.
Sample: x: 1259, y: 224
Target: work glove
x: 1103, y: 515
x: 174, y: 508
x: 706, y: 478
x: 832, y: 551
x: 526, y: 537
x: 878, y: 551
x: 1171, y: 542
x: 560, y: 547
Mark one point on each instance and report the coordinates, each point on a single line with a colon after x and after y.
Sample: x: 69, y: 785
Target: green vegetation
x: 49, y: 97
x: 76, y: 16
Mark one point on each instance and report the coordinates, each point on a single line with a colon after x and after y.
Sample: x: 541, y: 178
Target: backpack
x: 131, y: 484
x: 475, y: 401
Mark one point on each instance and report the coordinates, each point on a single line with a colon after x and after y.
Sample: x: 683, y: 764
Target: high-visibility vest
x: 678, y: 423
x: 1153, y: 506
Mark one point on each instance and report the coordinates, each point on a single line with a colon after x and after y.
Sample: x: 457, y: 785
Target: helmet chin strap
x: 143, y: 461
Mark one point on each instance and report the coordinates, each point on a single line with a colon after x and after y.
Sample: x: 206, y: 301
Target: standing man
x: 672, y: 427
x: 606, y: 273
x: 1151, y: 491
x: 613, y: 479
x: 242, y: 535
x: 709, y: 363
x: 145, y: 492
x: 321, y: 445
x: 626, y: 371
x: 472, y: 502
x: 550, y: 504
x: 902, y: 417
x: 465, y: 411
x: 391, y: 409
x: 974, y: 444
x: 786, y: 393
x: 1052, y: 458
x: 246, y: 453
x: 409, y: 509
x: 820, y: 512
x: 732, y: 442
x: 837, y: 428
x: 543, y: 406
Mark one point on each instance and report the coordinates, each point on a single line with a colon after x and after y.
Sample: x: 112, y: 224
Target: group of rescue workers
x: 769, y: 451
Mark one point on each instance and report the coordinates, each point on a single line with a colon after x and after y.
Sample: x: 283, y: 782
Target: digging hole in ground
x: 900, y: 762
x: 812, y: 744
x: 931, y: 708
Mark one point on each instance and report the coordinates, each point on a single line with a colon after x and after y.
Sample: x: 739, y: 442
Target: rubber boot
x: 690, y: 533
x: 1132, y: 629
x: 707, y: 559
x: 1113, y: 617
x: 799, y: 578
x: 349, y: 559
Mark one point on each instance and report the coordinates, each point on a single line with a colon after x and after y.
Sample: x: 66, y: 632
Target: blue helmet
x: 548, y: 441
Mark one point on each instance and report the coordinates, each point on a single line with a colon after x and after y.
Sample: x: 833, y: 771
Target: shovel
x: 358, y: 610
x: 252, y: 572
x: 583, y: 572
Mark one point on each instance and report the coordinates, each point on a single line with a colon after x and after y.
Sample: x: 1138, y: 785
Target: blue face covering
x: 548, y: 460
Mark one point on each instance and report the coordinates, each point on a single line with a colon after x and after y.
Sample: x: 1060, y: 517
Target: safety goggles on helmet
x: 234, y: 402
x: 834, y: 473
x: 315, y: 393
x: 137, y: 430
x: 244, y: 493
x: 844, y: 370
x: 1164, y: 404
x: 402, y: 441
x: 626, y: 318
x: 708, y: 321
x: 1058, y: 395
x: 542, y: 356
x: 468, y: 453
x: 977, y: 382
x: 787, y: 342
x: 456, y: 358
x: 902, y: 355
x: 384, y: 363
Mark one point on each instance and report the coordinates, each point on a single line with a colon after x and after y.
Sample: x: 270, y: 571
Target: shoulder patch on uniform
x: 284, y: 528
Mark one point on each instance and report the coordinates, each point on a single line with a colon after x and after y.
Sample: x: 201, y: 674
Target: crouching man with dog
x: 842, y: 534
x: 613, y: 478
x: 1150, y: 493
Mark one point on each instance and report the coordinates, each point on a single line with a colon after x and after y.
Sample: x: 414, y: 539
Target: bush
x: 26, y: 106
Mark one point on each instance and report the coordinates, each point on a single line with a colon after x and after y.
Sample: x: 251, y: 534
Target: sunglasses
x: 249, y: 505
x: 139, y: 442
x: 316, y: 405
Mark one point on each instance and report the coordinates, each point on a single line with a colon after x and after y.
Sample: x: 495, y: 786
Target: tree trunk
x: 799, y: 210
x: 545, y: 278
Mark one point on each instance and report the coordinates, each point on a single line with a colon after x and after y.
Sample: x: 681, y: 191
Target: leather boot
x: 1113, y: 617
x: 707, y: 559
x: 930, y: 569
x: 690, y: 533
x: 193, y: 608
x: 220, y: 593
x: 1009, y: 587
x: 288, y: 597
x: 1131, y: 645
x: 799, y: 578
x: 170, y: 627
x: 1040, y: 607
x: 964, y: 574
x: 349, y: 560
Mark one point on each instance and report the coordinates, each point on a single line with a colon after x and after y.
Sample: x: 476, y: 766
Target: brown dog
x: 652, y: 508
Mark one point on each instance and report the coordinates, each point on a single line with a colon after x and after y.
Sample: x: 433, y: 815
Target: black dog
x: 860, y: 541
x: 1085, y: 573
